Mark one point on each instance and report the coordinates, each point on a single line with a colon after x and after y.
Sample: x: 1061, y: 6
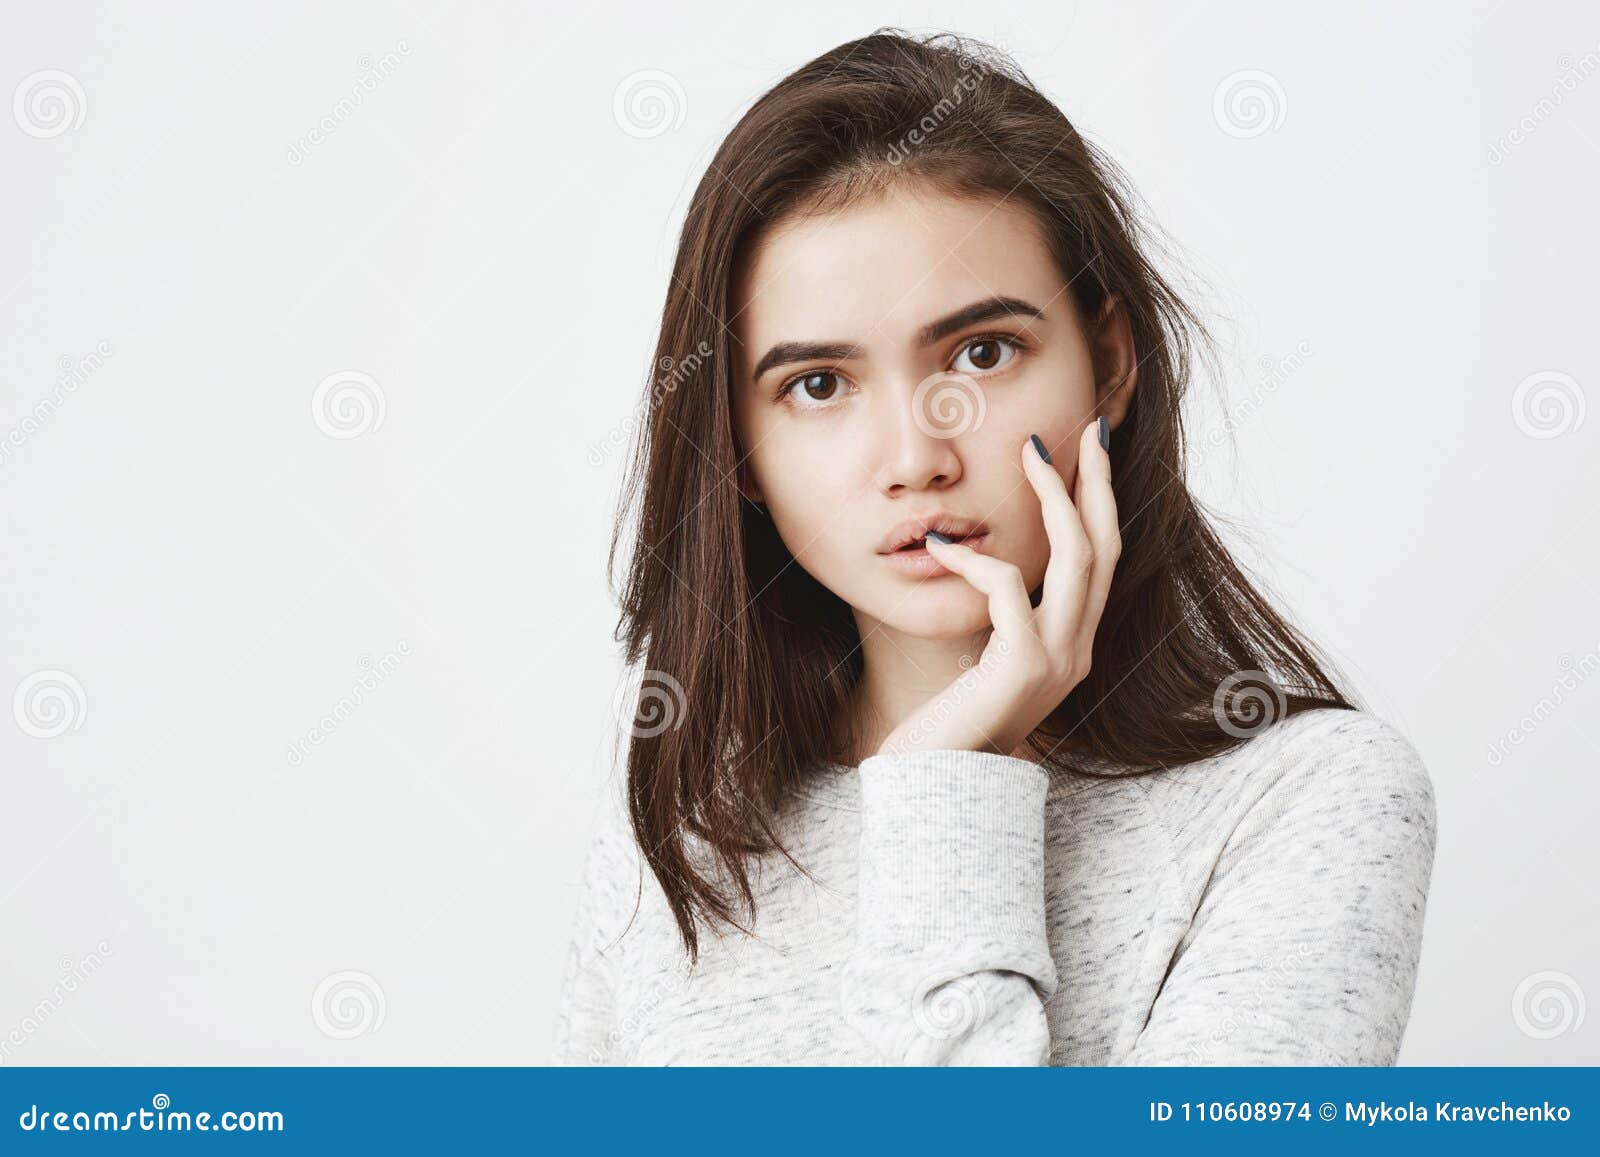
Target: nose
x: 920, y: 427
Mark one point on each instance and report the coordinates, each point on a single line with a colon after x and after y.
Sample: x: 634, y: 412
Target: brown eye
x: 985, y: 354
x: 819, y: 387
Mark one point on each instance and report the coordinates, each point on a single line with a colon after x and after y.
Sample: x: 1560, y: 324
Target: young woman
x: 961, y: 738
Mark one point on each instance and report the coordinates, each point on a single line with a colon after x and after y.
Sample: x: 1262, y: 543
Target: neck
x: 900, y: 673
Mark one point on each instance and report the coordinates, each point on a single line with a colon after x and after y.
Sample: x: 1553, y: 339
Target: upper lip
x: 943, y: 521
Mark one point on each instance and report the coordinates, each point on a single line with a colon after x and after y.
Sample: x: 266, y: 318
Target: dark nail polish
x: 1105, y: 434
x: 1039, y: 446
x: 937, y: 537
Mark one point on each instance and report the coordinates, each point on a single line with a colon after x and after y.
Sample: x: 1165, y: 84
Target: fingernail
x: 1105, y: 434
x: 937, y: 537
x: 1039, y: 446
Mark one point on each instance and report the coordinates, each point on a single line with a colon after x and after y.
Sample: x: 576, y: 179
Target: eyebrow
x: 787, y: 352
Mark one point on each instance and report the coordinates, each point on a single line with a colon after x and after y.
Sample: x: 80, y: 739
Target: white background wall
x: 186, y: 539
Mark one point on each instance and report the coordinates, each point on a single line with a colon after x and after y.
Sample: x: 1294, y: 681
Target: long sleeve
x: 1305, y: 943
x: 951, y: 962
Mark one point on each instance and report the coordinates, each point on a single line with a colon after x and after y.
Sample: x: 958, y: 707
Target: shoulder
x: 1326, y: 773
x: 1310, y: 845
x: 1342, y: 782
x: 1331, y: 758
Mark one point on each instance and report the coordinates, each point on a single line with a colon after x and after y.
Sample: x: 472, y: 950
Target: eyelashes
x: 996, y: 339
x: 785, y: 393
x: 786, y: 390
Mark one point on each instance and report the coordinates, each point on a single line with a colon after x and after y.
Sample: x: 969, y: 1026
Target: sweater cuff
x: 952, y: 856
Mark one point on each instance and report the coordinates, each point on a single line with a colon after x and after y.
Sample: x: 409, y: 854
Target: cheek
x: 1057, y: 383
x: 1056, y: 403
x: 808, y: 498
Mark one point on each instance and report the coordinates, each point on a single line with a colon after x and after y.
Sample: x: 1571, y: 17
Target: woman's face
x: 915, y: 409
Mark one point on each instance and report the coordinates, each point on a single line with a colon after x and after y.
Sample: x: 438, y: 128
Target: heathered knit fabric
x: 1264, y: 906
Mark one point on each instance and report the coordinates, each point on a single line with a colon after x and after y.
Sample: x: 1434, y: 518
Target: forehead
x: 883, y: 267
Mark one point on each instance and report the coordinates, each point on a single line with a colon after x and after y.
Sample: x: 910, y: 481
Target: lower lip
x: 920, y: 564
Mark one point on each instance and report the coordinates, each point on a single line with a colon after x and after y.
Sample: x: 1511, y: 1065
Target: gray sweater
x: 1264, y: 906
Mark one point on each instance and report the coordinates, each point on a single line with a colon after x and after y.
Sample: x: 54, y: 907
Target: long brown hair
x: 750, y: 663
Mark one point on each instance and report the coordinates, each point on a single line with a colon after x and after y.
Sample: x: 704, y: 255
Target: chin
x: 934, y: 614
